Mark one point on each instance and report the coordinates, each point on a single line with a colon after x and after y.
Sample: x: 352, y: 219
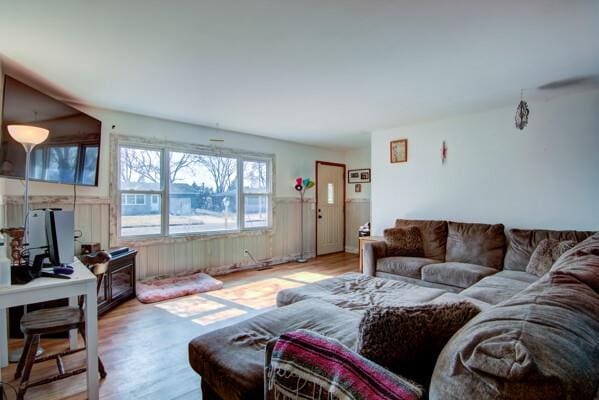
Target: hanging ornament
x: 443, y: 152
x: 522, y: 112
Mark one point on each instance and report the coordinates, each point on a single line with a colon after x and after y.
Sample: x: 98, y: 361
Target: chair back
x: 98, y: 265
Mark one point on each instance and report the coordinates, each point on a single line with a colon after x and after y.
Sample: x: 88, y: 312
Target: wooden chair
x: 56, y: 320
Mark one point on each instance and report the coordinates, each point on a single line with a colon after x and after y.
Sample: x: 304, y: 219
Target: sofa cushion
x: 456, y: 298
x: 495, y: 288
x: 406, y: 266
x: 455, y: 273
x: 522, y: 242
x: 419, y: 282
x: 521, y: 276
x: 546, y: 254
x: 358, y: 292
x: 404, y: 242
x: 408, y: 339
x: 434, y: 236
x: 540, y: 344
x: 231, y: 360
x: 480, y: 244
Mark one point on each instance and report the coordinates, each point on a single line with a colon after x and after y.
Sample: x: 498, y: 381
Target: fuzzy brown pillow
x: 408, y: 340
x: 546, y: 254
x: 405, y: 242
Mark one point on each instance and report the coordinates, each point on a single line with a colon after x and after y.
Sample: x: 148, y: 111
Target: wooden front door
x: 330, y: 207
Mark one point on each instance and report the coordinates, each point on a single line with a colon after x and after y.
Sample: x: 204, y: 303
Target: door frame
x: 316, y: 204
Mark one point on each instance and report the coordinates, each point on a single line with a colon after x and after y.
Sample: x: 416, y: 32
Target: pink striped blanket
x: 306, y: 365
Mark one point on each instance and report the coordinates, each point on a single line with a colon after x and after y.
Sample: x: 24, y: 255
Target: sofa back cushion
x: 404, y: 242
x: 546, y: 254
x: 523, y: 242
x: 434, y: 236
x: 480, y: 244
x: 582, y: 262
x: 526, y: 347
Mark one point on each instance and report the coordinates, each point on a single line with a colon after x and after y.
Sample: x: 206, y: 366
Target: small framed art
x: 358, y: 175
x: 399, y: 151
x: 358, y: 187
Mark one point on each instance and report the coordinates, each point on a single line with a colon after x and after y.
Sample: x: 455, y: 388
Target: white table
x: 82, y: 282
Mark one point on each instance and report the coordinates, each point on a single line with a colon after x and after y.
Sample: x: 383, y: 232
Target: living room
x: 253, y: 177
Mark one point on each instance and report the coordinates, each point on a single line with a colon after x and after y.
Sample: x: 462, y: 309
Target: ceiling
x: 323, y: 72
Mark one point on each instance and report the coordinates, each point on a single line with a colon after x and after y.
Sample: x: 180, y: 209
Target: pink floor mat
x: 169, y: 287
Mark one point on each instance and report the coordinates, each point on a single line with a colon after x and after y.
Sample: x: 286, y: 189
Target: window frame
x: 165, y: 148
x: 79, y: 168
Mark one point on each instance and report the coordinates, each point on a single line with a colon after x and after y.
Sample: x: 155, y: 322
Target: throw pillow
x: 545, y: 255
x: 404, y: 242
x: 408, y: 340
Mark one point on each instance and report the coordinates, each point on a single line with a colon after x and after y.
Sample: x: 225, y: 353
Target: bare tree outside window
x: 223, y: 171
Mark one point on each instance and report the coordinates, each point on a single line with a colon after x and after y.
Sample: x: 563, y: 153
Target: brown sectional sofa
x: 534, y: 339
x: 457, y: 255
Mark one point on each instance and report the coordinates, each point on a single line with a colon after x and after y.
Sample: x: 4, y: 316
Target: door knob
x: 320, y: 216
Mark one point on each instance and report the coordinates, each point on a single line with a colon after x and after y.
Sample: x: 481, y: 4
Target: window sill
x: 142, y: 241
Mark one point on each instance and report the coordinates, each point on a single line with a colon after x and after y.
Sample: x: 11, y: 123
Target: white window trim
x: 118, y: 141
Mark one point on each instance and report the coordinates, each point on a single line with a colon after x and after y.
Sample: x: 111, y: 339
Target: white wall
x: 358, y: 159
x: 546, y: 176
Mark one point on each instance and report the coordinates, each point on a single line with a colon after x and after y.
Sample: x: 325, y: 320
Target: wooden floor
x: 144, y: 346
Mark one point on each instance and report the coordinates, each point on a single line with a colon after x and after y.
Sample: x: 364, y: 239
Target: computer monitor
x: 60, y: 233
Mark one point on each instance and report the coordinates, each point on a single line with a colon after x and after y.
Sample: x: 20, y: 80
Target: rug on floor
x: 161, y: 288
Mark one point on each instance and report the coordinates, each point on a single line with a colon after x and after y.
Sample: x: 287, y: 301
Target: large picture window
x: 167, y: 191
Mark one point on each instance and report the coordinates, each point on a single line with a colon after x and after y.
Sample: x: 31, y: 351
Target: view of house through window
x: 204, y: 192
x: 140, y: 179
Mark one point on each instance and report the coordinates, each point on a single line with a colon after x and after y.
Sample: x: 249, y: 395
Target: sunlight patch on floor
x: 188, y: 306
x: 219, y: 316
x: 257, y: 295
x: 308, y: 277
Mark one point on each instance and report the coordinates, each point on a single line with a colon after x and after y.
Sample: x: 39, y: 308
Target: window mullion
x: 166, y: 173
x: 240, y: 195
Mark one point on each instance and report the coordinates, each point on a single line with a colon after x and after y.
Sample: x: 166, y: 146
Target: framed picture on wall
x: 358, y: 175
x: 358, y: 187
x: 399, y: 151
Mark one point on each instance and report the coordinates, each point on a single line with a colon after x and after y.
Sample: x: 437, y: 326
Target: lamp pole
x: 28, y: 147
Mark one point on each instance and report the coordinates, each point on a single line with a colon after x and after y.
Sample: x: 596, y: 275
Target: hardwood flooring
x: 144, y: 346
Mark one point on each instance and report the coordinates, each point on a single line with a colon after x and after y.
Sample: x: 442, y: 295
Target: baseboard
x: 227, y: 269
x: 353, y: 250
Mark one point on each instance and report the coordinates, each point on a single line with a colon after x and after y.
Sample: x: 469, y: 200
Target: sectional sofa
x: 536, y: 338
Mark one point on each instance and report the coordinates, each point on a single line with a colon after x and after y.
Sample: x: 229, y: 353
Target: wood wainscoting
x: 214, y: 254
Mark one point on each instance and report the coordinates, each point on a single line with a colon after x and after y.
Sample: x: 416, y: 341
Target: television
x: 70, y: 155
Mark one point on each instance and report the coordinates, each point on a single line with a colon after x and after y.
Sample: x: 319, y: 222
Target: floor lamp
x: 301, y: 185
x: 29, y: 137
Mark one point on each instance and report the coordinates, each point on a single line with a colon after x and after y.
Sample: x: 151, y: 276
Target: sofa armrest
x: 372, y: 252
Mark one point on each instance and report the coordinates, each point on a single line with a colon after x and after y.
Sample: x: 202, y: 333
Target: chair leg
x: 100, y: 363
x: 23, y: 356
x: 101, y: 368
x: 30, y: 359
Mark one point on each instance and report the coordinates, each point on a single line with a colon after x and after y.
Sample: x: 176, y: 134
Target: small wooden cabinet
x: 118, y: 284
x: 363, y: 240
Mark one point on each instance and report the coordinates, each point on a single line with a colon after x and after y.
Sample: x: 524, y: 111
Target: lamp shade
x: 28, y: 135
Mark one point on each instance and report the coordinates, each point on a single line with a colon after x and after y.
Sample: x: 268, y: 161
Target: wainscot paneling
x: 214, y: 254
x: 357, y: 213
